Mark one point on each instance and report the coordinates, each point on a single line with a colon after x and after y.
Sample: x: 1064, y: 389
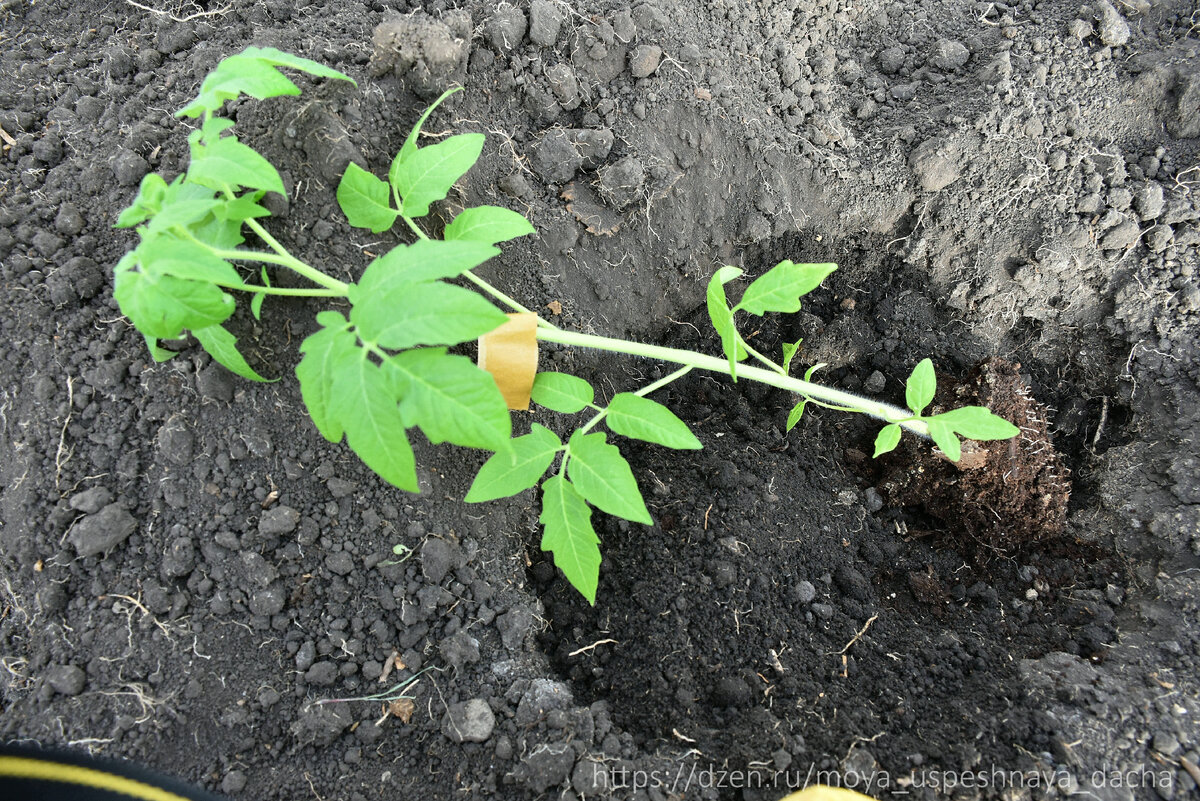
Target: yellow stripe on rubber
x: 47, y: 771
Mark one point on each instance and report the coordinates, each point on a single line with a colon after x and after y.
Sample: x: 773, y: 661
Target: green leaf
x: 808, y: 374
x: 365, y: 200
x: 795, y: 414
x: 184, y: 258
x: 147, y: 202
x: 218, y: 233
x: 158, y: 354
x: 427, y: 175
x: 976, y: 422
x: 641, y: 418
x: 222, y: 346
x: 227, y: 163
x: 410, y: 142
x: 244, y: 207
x: 567, y: 533
x: 887, y: 439
x: 789, y: 352
x: 252, y: 72
x: 423, y: 260
x: 256, y: 302
x: 601, y: 473
x: 326, y: 349
x: 722, y: 317
x: 364, y: 400
x: 781, y: 287
x: 450, y: 398
x: 944, y: 438
x: 921, y: 386
x: 561, y: 392
x: 506, y: 474
x: 430, y: 313
x: 161, y: 306
x: 488, y: 224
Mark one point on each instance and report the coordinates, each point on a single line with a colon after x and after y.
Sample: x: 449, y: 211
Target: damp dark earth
x: 1010, y: 189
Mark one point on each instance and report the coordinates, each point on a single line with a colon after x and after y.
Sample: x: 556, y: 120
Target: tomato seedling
x: 371, y: 375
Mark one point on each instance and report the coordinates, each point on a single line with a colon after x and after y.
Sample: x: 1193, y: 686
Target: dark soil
x: 186, y: 566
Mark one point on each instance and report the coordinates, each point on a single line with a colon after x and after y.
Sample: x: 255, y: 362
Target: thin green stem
x: 816, y: 392
x: 770, y: 364
x: 291, y: 262
x: 283, y: 291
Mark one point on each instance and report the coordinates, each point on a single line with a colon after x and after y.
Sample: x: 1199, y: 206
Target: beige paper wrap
x: 510, y: 354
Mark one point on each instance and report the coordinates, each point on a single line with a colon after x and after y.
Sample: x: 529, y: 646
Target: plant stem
x: 291, y: 262
x: 295, y: 292
x: 882, y: 411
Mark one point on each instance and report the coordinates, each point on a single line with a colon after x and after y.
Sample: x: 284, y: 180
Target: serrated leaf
x: 506, y: 474
x: 146, y: 203
x: 364, y: 400
x: 410, y: 142
x: 161, y: 306
x: 567, y: 533
x: 561, y: 392
x: 222, y: 346
x: 944, y: 438
x: 365, y: 200
x: 423, y: 260
x: 229, y: 163
x: 789, y: 353
x: 450, y: 398
x: 323, y: 351
x: 641, y: 418
x: 781, y: 287
x: 976, y: 422
x: 921, y: 387
x: 252, y: 72
x: 795, y: 414
x: 429, y: 313
x: 600, y: 472
x: 887, y: 439
x: 722, y: 317
x: 488, y: 224
x: 427, y: 175
x: 183, y: 258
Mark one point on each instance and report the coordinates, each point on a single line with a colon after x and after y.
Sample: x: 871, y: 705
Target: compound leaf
x: 601, y: 473
x: 222, y: 346
x: 561, y: 392
x: 427, y: 175
x: 781, y: 287
x: 428, y: 313
x: 147, y: 202
x: 567, y: 533
x: 976, y: 422
x: 364, y: 400
x: 887, y: 439
x: 245, y: 207
x: 324, y: 350
x: 228, y: 163
x: 641, y: 418
x: 365, y: 200
x: 279, y: 58
x: 921, y: 387
x: 423, y: 260
x: 450, y: 398
x: 505, y: 474
x: 722, y: 317
x: 944, y: 438
x: 488, y: 224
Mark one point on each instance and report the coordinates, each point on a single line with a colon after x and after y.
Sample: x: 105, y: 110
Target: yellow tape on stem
x: 510, y: 354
